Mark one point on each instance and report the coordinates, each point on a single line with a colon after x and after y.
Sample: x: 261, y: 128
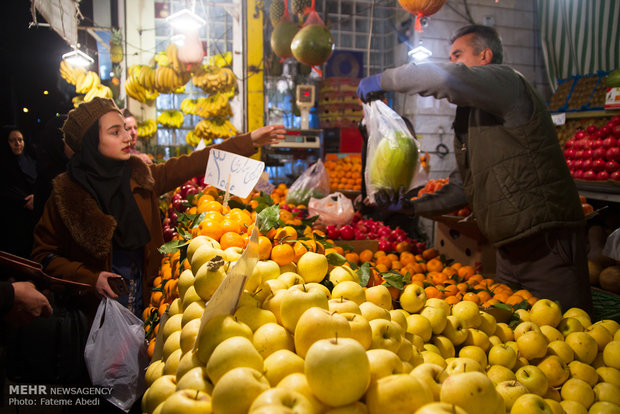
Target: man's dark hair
x: 127, y: 114
x: 484, y: 37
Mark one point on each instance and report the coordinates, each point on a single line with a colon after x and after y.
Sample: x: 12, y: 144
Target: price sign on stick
x: 243, y: 172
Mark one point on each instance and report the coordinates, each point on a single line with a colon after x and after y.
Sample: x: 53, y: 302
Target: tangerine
x: 231, y: 239
x: 264, y: 248
x: 282, y: 254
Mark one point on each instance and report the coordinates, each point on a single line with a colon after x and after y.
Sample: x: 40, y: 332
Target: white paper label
x: 559, y: 119
x: 243, y: 172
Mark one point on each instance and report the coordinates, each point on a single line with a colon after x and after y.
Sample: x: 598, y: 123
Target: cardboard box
x: 463, y: 242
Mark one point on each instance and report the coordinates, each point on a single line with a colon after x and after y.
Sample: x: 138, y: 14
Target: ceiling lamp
x: 77, y: 58
x: 419, y: 53
x: 185, y: 20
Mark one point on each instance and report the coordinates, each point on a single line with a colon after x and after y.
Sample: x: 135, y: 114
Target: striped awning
x: 579, y: 37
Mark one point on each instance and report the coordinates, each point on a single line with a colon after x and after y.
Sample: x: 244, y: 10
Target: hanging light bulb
x: 419, y: 53
x: 178, y: 39
x: 77, y: 58
x: 186, y: 20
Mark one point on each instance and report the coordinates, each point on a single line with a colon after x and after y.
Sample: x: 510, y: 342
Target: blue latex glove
x: 369, y: 85
x: 391, y: 201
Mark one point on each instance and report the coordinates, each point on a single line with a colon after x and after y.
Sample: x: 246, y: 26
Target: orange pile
x: 344, y: 173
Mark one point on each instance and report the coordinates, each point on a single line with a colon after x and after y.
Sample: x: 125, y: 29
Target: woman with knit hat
x: 102, y: 219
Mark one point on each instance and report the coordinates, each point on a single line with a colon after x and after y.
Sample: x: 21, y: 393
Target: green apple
x: 291, y: 279
x: 337, y: 370
x: 186, y: 279
x: 360, y: 329
x: 187, y: 401
x: 372, y: 311
x: 460, y: 365
x: 583, y: 345
x: 472, y: 391
x: 268, y: 288
x: 569, y: 325
x: 555, y: 370
x: 532, y: 345
x: 408, y: 366
x: 611, y: 354
x: 499, y: 373
x: 189, y: 333
x: 551, y: 333
x: 272, y: 337
x: 440, y: 408
x: 553, y: 394
x: 162, y: 388
x: 341, y: 274
x: 290, y: 267
x: 504, y: 332
x: 561, y: 349
x: 202, y: 255
x: 385, y: 334
x: 598, y: 361
x: 297, y: 382
x: 263, y: 271
x: 530, y: 404
x: 533, y: 378
x: 248, y: 299
x: 171, y: 344
x: 357, y: 407
x: 609, y: 374
x: 190, y: 297
x: 578, y: 390
x: 237, y: 389
x: 612, y: 326
x: 494, y: 340
x: 274, y: 301
x: 502, y: 354
x: 433, y: 358
x: 192, y: 312
x: 254, y: 316
x: 153, y: 371
x: 198, y: 241
x: 476, y: 353
x: 383, y: 363
x: 195, y: 379
x: 455, y: 330
x: 478, y: 338
x: 350, y: 290
x: 438, y: 303
x: 432, y: 375
x: 398, y: 393
x: 173, y: 324
x: 232, y: 254
x: 216, y: 330
x: 188, y: 361
x: 444, y: 345
x: 297, y: 300
x: 606, y: 391
x: 314, y: 285
x: 318, y: 323
x: 282, y: 397
x: 580, y: 315
x: 468, y: 312
x: 380, y: 296
x: 573, y: 407
x: 510, y: 392
x: 282, y: 363
x: 556, y: 407
x: 604, y: 407
x: 488, y: 323
x: 312, y: 267
x: 413, y: 298
x: 437, y: 317
x: 341, y: 305
x: 416, y: 340
x: 600, y: 334
x: 433, y: 348
x: 525, y: 327
x: 584, y: 372
x: 418, y: 324
x: 523, y: 315
x: 545, y: 312
x: 405, y: 350
x: 175, y: 307
x: 233, y: 352
x: 400, y: 317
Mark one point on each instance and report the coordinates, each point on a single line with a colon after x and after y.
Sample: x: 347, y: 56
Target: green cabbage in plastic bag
x: 394, y: 162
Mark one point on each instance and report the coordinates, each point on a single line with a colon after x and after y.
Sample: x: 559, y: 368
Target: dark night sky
x: 29, y: 61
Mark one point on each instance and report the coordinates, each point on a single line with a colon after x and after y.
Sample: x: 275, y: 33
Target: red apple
x: 599, y: 152
x: 578, y: 164
x: 588, y: 153
x: 589, y: 175
x: 359, y: 235
x: 385, y: 245
x: 609, y: 142
x: 597, y: 143
x: 615, y: 131
x: 579, y: 154
x: 598, y: 165
x: 615, y: 176
x: 578, y: 175
x: 615, y: 119
x: 613, y: 154
x: 612, y: 166
x: 591, y: 129
x: 587, y: 164
x: 569, y: 143
x: 347, y: 232
x: 606, y: 130
x: 332, y: 232
x: 580, y: 134
x: 602, y: 176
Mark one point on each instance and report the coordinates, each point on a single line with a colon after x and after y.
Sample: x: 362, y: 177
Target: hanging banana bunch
x: 215, y: 128
x: 171, y: 119
x: 214, y: 79
x: 147, y: 128
x: 86, y: 82
x: 101, y: 91
x: 70, y: 73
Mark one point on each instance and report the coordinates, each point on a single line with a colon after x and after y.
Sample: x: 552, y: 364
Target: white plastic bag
x: 392, y: 152
x: 116, y: 353
x: 334, y: 209
x: 314, y: 182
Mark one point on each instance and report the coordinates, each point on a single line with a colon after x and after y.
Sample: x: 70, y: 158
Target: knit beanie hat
x: 80, y: 119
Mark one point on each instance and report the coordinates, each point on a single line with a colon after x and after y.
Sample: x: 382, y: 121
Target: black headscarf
x: 108, y: 182
x: 23, y: 161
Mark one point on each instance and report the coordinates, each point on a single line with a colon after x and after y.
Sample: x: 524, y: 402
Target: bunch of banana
x: 221, y: 60
x: 171, y: 119
x: 135, y: 90
x: 70, y: 73
x: 145, y: 75
x: 192, y: 139
x: 147, y: 128
x: 162, y: 58
x: 172, y: 55
x: 167, y: 80
x: 77, y: 100
x: 213, y: 106
x: 188, y: 106
x: 215, y: 128
x: 86, y: 82
x: 101, y: 91
x: 213, y: 79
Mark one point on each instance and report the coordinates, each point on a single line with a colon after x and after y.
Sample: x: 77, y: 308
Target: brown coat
x: 80, y: 235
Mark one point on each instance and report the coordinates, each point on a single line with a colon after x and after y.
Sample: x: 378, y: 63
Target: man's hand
x: 270, y: 134
x: 28, y: 303
x: 369, y: 85
x: 394, y: 201
x: 103, y: 287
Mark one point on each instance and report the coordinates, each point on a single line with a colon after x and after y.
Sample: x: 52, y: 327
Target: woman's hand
x: 270, y: 134
x: 103, y: 287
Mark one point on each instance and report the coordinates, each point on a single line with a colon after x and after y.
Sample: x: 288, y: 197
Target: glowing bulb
x: 25, y: 109
x: 77, y: 58
x: 185, y: 20
x: 419, y: 53
x: 45, y: 93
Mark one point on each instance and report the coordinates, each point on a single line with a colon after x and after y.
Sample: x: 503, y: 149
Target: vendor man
x: 513, y: 173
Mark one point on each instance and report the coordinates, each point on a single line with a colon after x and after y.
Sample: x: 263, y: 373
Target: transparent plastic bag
x: 314, y: 182
x: 116, y: 353
x: 393, y: 156
x: 334, y: 209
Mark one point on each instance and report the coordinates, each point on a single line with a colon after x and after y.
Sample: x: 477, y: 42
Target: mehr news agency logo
x: 44, y: 395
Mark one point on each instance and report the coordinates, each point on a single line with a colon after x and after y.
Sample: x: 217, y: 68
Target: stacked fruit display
x: 345, y: 173
x: 299, y: 344
x: 433, y: 185
x: 594, y: 153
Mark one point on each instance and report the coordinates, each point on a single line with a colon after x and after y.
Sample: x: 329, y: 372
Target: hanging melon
x: 313, y: 45
x: 421, y: 8
x: 281, y: 38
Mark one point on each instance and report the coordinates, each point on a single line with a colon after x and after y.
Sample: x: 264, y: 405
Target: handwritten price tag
x: 243, y: 172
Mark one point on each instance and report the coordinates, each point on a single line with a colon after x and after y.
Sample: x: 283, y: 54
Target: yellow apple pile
x: 292, y: 346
